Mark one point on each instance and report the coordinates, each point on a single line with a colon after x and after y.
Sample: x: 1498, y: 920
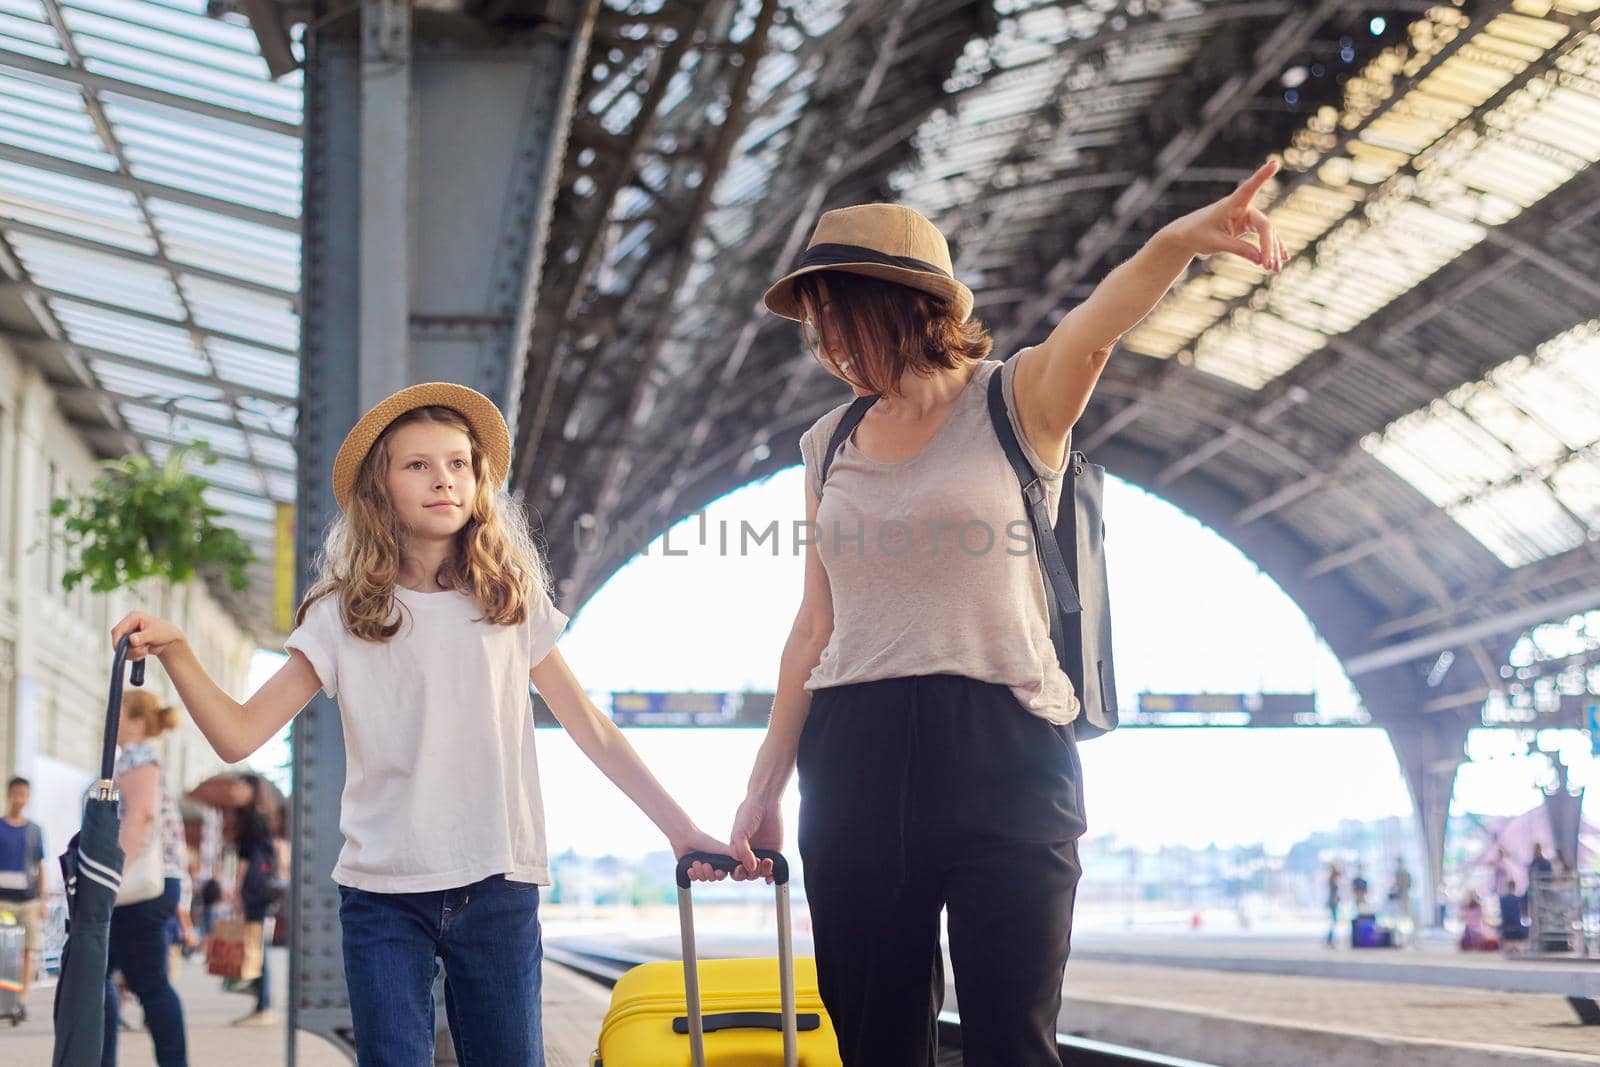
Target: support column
x: 32, y: 399
x: 1430, y: 750
x: 329, y: 405
x: 432, y: 145
x: 1563, y: 805
x: 384, y: 232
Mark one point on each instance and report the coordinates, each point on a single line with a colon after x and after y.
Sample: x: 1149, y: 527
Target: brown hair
x: 142, y: 706
x: 494, y: 557
x: 886, y: 328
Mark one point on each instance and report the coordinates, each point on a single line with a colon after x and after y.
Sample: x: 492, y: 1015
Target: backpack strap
x: 847, y: 426
x: 1060, y: 592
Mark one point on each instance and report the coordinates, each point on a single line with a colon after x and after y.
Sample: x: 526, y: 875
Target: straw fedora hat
x: 887, y: 241
x: 488, y: 426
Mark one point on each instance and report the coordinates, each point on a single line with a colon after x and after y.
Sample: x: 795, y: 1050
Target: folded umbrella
x: 91, y: 868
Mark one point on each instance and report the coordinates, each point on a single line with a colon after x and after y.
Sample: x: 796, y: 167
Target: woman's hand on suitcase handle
x: 758, y: 824
x: 146, y: 634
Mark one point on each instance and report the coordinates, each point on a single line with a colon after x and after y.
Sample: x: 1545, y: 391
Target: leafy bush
x: 147, y: 520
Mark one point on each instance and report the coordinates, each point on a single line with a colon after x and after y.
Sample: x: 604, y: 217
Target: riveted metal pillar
x: 432, y: 142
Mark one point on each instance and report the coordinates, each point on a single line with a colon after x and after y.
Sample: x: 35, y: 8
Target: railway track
x: 605, y: 965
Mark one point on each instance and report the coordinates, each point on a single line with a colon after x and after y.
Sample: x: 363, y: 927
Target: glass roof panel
x: 1416, y: 186
x: 184, y: 355
x: 1512, y: 457
x: 1577, y: 483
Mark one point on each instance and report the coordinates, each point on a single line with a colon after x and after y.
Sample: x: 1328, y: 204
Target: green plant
x: 142, y: 519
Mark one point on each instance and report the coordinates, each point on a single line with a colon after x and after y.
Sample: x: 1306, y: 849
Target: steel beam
x: 1286, y: 40
x: 428, y: 169
x: 99, y: 83
x: 1552, y: 575
x: 187, y: 325
x: 1352, y: 133
x: 1430, y: 751
x: 231, y: 390
x: 84, y: 172
x: 383, y: 329
x: 54, y: 336
x: 1561, y: 212
x: 562, y: 290
x: 1503, y: 622
x: 151, y: 403
x: 641, y: 400
x: 136, y: 258
x: 141, y: 193
x: 804, y: 216
x: 329, y: 405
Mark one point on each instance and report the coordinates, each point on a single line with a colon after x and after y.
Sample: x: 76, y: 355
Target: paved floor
x: 573, y: 1009
x: 1113, y: 995
x: 1365, y: 1008
x: 207, y: 1013
x: 1104, y: 999
x: 1431, y: 959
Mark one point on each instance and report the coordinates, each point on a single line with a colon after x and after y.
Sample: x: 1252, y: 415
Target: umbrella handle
x: 108, y: 752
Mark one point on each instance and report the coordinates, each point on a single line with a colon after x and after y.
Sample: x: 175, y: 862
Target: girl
x: 919, y: 690
x: 139, y: 939
x: 428, y: 622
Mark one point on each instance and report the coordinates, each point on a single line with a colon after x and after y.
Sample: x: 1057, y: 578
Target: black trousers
x: 927, y: 794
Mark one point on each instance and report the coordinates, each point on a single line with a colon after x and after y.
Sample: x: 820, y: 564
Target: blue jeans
x: 487, y: 936
x: 139, y: 950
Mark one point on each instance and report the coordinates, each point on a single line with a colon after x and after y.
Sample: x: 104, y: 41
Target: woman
x: 919, y: 691
x: 262, y: 865
x: 139, y: 930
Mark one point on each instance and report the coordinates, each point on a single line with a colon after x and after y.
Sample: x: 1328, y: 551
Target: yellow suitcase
x: 720, y: 1013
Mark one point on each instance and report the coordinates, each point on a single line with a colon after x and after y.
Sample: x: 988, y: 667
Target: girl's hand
x: 1221, y: 226
x: 757, y: 825
x: 695, y: 841
x: 147, y: 635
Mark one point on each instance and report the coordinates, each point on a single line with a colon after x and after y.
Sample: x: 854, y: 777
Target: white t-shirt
x: 441, y: 784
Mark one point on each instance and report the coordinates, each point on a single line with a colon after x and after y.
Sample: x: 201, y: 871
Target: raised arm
x: 1055, y: 379
x: 235, y: 730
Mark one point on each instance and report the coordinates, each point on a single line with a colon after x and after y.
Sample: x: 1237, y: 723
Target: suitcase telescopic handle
x: 780, y: 866
x: 691, y: 965
x: 108, y: 748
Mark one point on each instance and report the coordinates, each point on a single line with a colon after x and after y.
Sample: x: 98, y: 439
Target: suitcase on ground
x: 720, y: 1013
x: 1367, y: 932
x: 12, y: 939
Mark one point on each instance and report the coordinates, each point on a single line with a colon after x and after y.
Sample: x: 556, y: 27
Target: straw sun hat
x: 884, y: 241
x: 488, y: 426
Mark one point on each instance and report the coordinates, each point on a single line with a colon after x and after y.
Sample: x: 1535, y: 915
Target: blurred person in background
x: 139, y: 943
x: 263, y: 861
x: 1333, y: 903
x: 1475, y: 933
x: 22, y: 878
x: 1513, y: 923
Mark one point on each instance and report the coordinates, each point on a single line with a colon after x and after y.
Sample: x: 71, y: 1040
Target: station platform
x: 573, y: 1009
x: 1228, y: 1001
x: 207, y: 1013
x: 1263, y: 1001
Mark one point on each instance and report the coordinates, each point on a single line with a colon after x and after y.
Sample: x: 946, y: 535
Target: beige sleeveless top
x: 931, y: 561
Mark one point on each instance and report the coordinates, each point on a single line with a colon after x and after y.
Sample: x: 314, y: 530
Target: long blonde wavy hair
x: 494, y: 557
